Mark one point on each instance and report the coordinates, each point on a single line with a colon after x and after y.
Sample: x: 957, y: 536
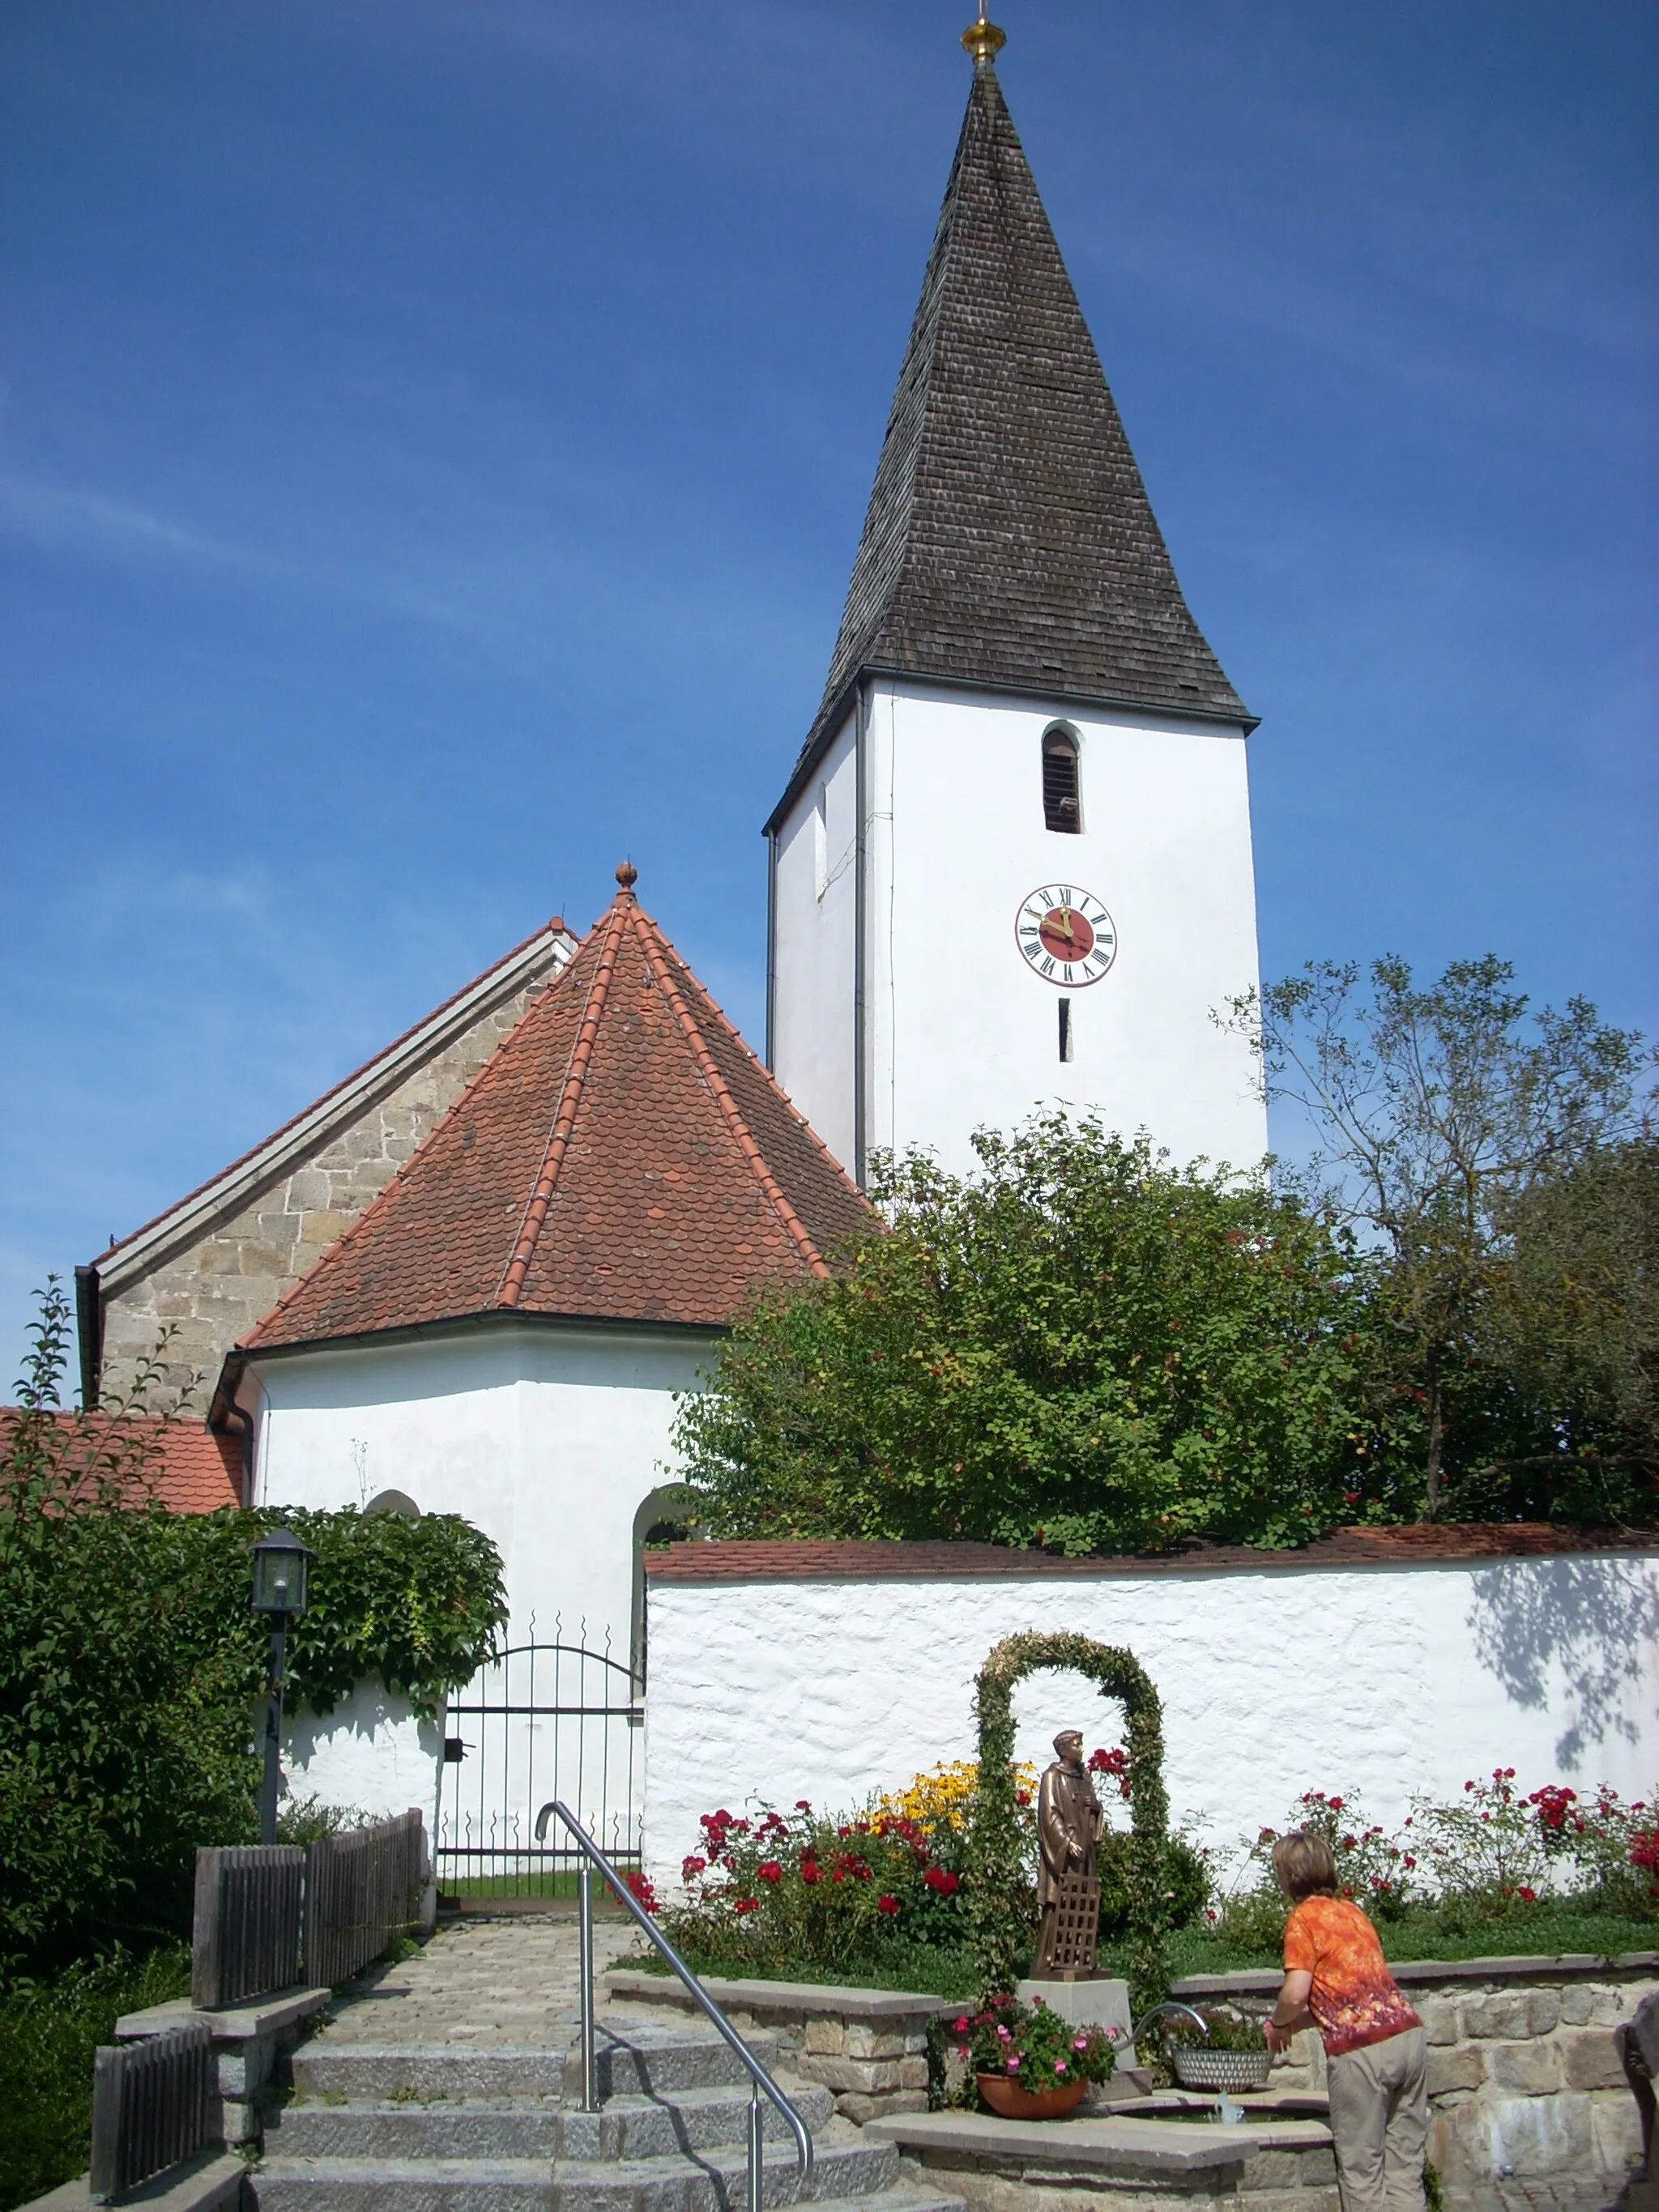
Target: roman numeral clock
x: 1065, y: 935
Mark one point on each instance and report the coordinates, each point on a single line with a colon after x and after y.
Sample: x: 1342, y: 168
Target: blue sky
x: 434, y: 439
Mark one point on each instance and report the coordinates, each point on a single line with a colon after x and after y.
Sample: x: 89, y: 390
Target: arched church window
x: 1062, y: 805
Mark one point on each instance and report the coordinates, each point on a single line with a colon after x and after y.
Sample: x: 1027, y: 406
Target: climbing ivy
x: 999, y: 1900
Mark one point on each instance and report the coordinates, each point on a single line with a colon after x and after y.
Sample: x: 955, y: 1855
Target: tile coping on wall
x: 803, y: 1997
x: 1446, y: 1544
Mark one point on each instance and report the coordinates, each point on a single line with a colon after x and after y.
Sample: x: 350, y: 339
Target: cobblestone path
x: 484, y: 1984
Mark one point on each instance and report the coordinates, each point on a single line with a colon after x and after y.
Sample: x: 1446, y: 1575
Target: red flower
x: 942, y: 1884
x: 642, y: 1891
x: 692, y: 1866
x: 803, y: 1804
x: 1527, y: 1896
x: 770, y: 1872
x: 887, y: 1905
x: 811, y: 1871
x: 747, y: 1904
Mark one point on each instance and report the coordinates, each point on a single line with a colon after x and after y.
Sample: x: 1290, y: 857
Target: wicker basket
x: 1231, y: 2070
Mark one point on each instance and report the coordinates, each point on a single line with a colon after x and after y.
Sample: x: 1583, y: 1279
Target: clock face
x: 1066, y: 936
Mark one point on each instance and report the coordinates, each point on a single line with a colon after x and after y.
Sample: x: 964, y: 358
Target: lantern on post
x: 280, y: 1561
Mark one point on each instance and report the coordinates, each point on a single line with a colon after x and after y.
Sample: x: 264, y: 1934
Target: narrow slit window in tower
x: 1061, y: 803
x: 1064, y: 1028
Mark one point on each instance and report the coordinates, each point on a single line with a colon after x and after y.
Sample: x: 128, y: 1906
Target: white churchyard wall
x: 960, y: 1034
x: 1378, y: 1680
x: 548, y: 1439
x: 370, y: 1754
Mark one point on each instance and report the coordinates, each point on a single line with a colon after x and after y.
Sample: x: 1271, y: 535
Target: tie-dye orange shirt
x: 1354, y: 1998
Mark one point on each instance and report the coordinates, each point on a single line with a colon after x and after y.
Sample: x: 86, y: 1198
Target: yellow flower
x: 941, y: 1797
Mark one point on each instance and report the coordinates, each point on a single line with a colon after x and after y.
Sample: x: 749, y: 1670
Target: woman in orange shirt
x: 1337, y: 1980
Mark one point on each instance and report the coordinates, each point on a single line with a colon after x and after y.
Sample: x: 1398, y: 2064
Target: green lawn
x: 48, y: 2033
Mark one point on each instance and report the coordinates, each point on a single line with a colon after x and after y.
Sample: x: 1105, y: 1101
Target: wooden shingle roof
x: 1009, y: 542
x: 623, y: 1158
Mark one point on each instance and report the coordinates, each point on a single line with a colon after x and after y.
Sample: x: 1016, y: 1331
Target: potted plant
x: 1232, y: 2057
x: 1030, y: 2063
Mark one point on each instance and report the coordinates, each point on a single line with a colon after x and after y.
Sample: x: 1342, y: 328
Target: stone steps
x: 443, y: 2127
x: 628, y: 2128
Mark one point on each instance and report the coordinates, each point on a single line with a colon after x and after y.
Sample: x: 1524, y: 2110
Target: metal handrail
x: 760, y: 2080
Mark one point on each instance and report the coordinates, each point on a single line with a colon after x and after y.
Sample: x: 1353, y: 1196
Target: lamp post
x: 280, y: 1560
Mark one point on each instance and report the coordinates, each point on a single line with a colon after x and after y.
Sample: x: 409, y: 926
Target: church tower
x: 1012, y: 868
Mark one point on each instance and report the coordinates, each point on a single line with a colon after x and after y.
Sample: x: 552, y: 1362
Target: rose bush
x: 810, y: 1892
x: 1494, y: 1852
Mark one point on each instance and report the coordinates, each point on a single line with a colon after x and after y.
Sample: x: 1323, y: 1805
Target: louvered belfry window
x: 1061, y: 807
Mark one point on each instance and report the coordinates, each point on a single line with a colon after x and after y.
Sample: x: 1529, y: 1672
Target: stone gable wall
x: 219, y: 1285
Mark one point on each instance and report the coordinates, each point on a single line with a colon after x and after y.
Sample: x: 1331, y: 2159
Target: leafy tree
x: 1076, y: 1347
x: 1437, y: 1110
x: 131, y: 1666
x: 1571, y: 1334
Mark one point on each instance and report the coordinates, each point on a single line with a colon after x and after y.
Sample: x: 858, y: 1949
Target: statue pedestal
x: 1101, y: 2001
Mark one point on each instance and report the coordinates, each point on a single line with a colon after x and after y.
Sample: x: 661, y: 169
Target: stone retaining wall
x: 1530, y: 2110
x: 867, y: 2047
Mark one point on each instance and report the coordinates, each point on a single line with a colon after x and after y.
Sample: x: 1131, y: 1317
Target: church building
x: 1010, y: 868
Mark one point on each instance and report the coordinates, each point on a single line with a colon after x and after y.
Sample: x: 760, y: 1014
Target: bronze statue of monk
x: 1069, y: 1826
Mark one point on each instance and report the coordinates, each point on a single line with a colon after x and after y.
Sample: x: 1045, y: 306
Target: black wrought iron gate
x: 544, y: 1720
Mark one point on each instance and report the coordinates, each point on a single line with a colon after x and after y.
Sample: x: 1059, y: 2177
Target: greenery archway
x: 1001, y: 1928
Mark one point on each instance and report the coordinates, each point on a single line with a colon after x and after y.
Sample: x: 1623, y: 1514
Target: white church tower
x: 1012, y: 868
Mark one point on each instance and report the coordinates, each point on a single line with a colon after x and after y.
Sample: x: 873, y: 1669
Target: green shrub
x: 131, y: 1666
x: 49, y: 2031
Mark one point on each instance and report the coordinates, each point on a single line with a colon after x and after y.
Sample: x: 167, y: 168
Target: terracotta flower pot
x: 1006, y: 2098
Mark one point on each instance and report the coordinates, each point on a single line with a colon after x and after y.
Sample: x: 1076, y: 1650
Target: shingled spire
x: 1009, y: 540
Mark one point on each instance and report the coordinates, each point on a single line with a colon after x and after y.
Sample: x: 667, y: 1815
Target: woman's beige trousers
x: 1380, y: 2117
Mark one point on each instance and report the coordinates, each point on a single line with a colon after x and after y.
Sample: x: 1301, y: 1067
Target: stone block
x: 865, y: 2075
x: 1439, y: 2019
x: 309, y: 1190
x: 825, y: 2038
x: 322, y: 1229
x: 1500, y: 2015
x: 1591, y: 2061
x: 1287, y: 2169
x: 860, y: 2108
x: 1576, y: 2000
x: 279, y: 1229
x: 1530, y: 2069
x: 1461, y: 2067
x: 864, y: 2038
x: 913, y: 2072
x: 1543, y: 2011
x: 218, y: 1258
x: 1537, y: 2138
x: 1616, y: 2132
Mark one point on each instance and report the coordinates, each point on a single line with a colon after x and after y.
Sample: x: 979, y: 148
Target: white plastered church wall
x: 548, y: 1439
x: 370, y: 1753
x: 1380, y: 1681
x: 959, y: 1033
x: 814, y: 922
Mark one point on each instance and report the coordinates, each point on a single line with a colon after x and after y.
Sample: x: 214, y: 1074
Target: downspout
x: 771, y: 949
x: 860, y: 906
x: 90, y: 1333
x: 224, y: 1406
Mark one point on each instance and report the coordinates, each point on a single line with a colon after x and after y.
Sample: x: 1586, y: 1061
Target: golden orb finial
x: 983, y: 40
x: 627, y: 875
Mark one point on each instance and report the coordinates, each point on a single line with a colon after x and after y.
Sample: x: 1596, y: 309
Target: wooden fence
x: 363, y: 1892
x: 268, y: 1917
x: 149, y: 2107
x: 248, y: 1934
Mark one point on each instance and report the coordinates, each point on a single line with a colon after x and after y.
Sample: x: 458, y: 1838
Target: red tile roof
x: 813, y: 1561
x: 623, y: 1156
x: 190, y: 1469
